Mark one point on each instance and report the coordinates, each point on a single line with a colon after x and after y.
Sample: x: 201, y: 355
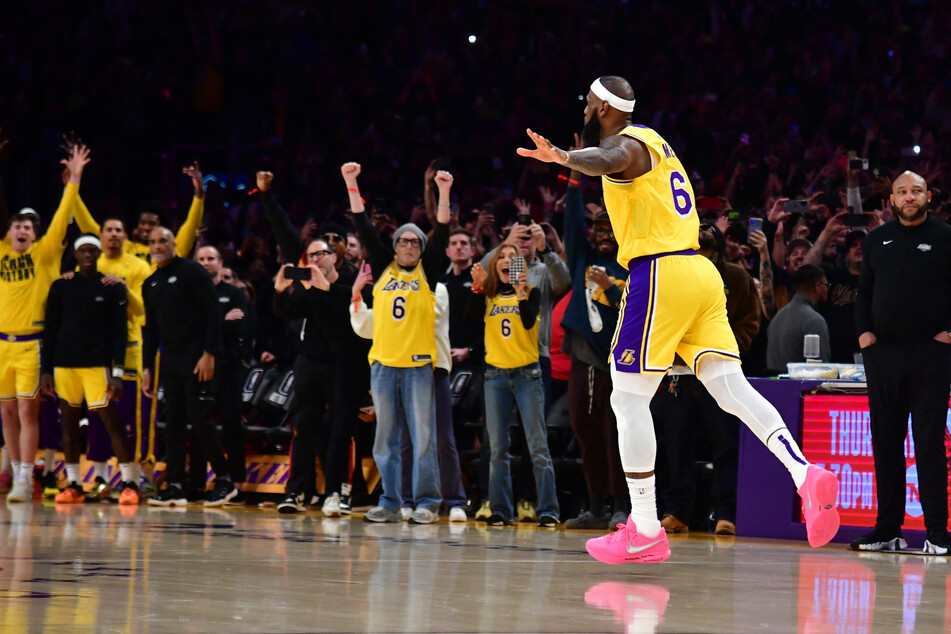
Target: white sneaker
x: 406, y: 512
x: 331, y: 506
x: 423, y: 516
x: 22, y: 491
x: 458, y: 514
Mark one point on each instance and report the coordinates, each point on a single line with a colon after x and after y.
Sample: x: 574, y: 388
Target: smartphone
x: 795, y: 206
x: 524, y: 219
x: 855, y: 220
x: 516, y: 268
x: 300, y: 273
x: 858, y: 164
x: 756, y: 224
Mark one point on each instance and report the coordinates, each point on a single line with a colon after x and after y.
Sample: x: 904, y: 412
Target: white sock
x: 783, y: 446
x: 72, y: 472
x: 15, y: 469
x: 128, y: 471
x: 101, y: 470
x: 49, y: 460
x: 644, y: 506
x: 5, y: 464
x: 26, y: 472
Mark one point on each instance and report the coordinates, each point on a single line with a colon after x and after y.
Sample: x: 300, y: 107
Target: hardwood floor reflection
x: 103, y: 567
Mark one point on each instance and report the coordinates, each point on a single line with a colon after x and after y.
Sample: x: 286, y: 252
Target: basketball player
x: 27, y: 269
x: 136, y: 412
x: 84, y: 349
x: 673, y: 306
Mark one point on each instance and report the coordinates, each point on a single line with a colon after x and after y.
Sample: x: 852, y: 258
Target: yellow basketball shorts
x: 19, y: 369
x: 673, y: 304
x: 74, y: 385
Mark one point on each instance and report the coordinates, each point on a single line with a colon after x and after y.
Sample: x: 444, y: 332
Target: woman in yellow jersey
x: 512, y: 371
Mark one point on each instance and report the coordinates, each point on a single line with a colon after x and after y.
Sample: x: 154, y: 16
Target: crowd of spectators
x: 765, y: 103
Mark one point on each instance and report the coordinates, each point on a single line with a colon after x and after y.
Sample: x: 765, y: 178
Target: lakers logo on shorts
x: 627, y: 357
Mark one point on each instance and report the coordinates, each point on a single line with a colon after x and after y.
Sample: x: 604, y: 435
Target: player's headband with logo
x: 624, y: 105
x: 83, y: 240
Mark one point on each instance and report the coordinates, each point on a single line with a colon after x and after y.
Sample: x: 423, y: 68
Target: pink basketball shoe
x: 818, y: 494
x: 626, y: 546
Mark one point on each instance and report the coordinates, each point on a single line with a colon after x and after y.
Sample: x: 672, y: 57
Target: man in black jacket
x: 903, y: 315
x: 83, y: 354
x: 236, y: 329
x: 181, y: 312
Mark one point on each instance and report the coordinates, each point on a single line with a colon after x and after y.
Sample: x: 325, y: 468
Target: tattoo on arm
x: 766, y: 283
x: 615, y: 154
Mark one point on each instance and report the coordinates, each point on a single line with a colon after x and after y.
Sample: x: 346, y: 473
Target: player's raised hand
x: 78, y: 157
x: 194, y: 172
x: 544, y: 150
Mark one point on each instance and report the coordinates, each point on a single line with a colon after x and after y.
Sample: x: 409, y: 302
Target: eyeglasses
x: 333, y: 237
x: 603, y: 231
x: 407, y: 242
x: 826, y: 284
x: 317, y: 254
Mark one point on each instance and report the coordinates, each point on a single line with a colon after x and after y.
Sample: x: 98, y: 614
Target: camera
x: 858, y: 164
x: 756, y: 224
x: 524, y: 219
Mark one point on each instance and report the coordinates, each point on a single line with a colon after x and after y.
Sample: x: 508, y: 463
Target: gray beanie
x: 409, y: 226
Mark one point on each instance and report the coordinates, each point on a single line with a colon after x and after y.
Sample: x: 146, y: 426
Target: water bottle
x: 810, y: 347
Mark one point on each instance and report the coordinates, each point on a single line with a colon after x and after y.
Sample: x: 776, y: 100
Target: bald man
x: 182, y: 314
x: 903, y: 312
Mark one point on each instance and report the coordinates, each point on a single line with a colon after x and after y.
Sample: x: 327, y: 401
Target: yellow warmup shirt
x: 404, y: 319
x: 654, y: 213
x: 184, y: 239
x: 133, y: 271
x: 507, y: 343
x: 25, y: 278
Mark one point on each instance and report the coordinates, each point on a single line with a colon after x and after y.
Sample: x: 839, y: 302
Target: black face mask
x: 591, y: 133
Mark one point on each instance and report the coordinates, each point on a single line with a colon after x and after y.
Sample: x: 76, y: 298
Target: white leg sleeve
x: 631, y: 399
x: 724, y: 379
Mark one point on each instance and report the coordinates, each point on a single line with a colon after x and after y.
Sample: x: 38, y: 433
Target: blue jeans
x: 410, y: 391
x: 524, y: 385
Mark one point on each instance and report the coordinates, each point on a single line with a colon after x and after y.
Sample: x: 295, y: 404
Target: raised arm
x: 287, y: 236
x: 51, y: 244
x: 615, y: 154
x: 377, y: 253
x: 185, y: 238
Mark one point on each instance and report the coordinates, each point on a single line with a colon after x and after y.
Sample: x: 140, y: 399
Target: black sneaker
x: 239, y: 499
x: 588, y: 520
x: 497, y: 520
x: 879, y: 540
x: 49, y: 484
x: 292, y: 503
x: 938, y: 542
x: 169, y: 496
x: 224, y: 490
x: 346, y: 508
x: 547, y: 521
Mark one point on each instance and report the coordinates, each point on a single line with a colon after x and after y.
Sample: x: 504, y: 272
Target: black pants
x: 595, y: 428
x: 228, y: 377
x: 313, y: 394
x: 351, y: 381
x: 908, y: 379
x: 680, y: 413
x: 188, y: 401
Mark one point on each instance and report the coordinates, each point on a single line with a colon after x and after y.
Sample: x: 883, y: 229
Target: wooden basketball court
x: 99, y: 567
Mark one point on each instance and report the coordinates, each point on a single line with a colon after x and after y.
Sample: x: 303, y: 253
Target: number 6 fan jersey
x: 404, y: 318
x: 654, y: 213
x: 507, y: 343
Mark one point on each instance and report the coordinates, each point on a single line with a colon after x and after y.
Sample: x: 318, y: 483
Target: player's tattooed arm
x: 615, y: 155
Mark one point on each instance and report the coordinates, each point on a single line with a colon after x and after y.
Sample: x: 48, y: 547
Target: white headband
x: 81, y: 240
x: 624, y: 105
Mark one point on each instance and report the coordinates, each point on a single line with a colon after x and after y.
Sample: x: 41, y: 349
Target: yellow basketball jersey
x: 507, y: 343
x: 25, y: 278
x: 654, y: 213
x: 404, y: 319
x: 184, y: 239
x: 133, y: 271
